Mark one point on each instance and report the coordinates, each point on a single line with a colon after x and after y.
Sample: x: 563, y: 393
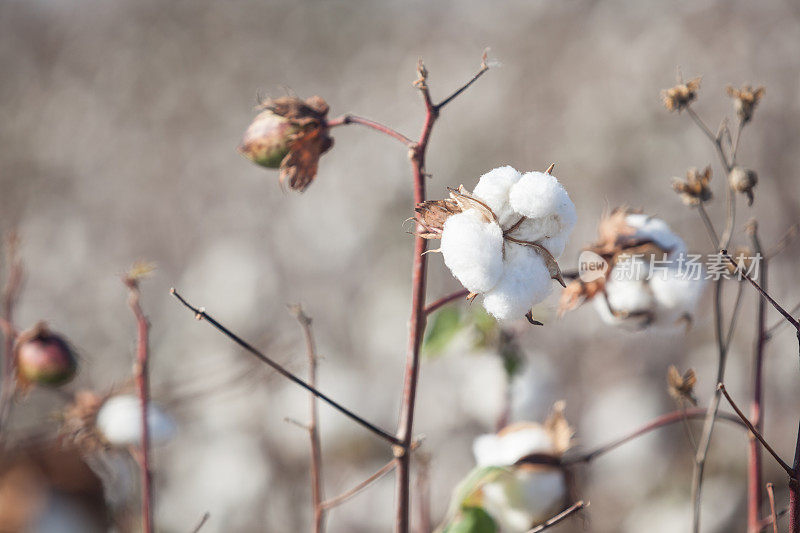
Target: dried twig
x: 202, y: 522
x: 200, y: 314
x: 772, y: 516
x: 343, y: 497
x: 444, y: 300
x: 563, y: 515
x: 353, y: 119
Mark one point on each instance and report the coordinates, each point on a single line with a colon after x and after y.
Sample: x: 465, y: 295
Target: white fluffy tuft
x: 525, y: 282
x: 507, y: 448
x: 473, y: 250
x: 658, y: 231
x: 493, y: 188
x: 538, y: 195
x: 119, y: 421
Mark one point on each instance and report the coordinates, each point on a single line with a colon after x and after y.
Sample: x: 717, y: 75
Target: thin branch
x: 777, y: 325
x: 784, y: 241
x: 755, y: 432
x: 313, y: 433
x: 712, y: 233
x: 481, y: 72
x: 202, y: 522
x: 734, y: 315
x: 141, y: 376
x: 661, y: 421
x: 772, y: 516
x: 563, y: 515
x: 377, y: 126
x: 444, y: 300
x: 423, y: 489
x: 200, y: 314
x: 343, y: 497
x: 758, y: 287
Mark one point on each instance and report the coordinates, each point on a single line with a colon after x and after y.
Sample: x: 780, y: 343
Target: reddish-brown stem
x: 563, y: 515
x: 794, y: 480
x: 444, y: 300
x: 754, y: 470
x: 423, y: 488
x: 754, y: 431
x: 343, y: 497
x: 143, y: 388
x: 313, y: 433
x: 773, y: 517
x: 661, y: 421
x: 377, y: 126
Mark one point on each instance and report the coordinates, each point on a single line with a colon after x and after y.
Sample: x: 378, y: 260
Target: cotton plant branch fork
x: 141, y: 376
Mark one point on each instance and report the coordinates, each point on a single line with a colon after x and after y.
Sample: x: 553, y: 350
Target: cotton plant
x: 516, y: 484
x: 502, y: 240
x: 646, y: 282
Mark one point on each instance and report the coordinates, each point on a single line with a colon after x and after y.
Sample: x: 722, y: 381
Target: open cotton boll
x: 120, y: 421
x: 629, y: 295
x: 493, y: 188
x: 537, y: 195
x: 555, y: 245
x: 658, y: 231
x: 511, y: 445
x: 524, y: 283
x: 473, y: 250
x: 523, y: 498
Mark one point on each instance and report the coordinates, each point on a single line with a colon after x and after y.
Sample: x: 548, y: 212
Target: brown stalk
x: 754, y: 469
x: 563, y: 515
x: 343, y: 497
x: 377, y: 126
x: 773, y: 518
x: 141, y: 377
x: 313, y: 433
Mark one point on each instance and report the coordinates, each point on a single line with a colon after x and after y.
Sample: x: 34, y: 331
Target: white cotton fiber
x: 508, y: 447
x: 658, y: 231
x: 676, y: 293
x: 537, y: 195
x: 524, y: 498
x: 555, y: 245
x: 473, y: 250
x: 119, y: 421
x: 629, y: 295
x: 493, y: 188
x: 524, y: 283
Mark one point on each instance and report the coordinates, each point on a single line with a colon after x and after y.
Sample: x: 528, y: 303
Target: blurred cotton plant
x: 517, y: 482
x: 645, y: 281
x: 502, y: 240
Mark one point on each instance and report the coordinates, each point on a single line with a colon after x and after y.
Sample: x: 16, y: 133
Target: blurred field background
x: 118, y: 127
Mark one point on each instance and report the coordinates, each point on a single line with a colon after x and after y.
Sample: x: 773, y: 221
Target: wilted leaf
x: 559, y: 429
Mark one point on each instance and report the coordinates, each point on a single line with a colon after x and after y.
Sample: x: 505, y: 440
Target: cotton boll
x: 525, y: 282
x: 493, y: 188
x: 526, y: 497
x: 537, y: 195
x: 120, y: 421
x: 629, y: 295
x: 511, y: 445
x: 658, y: 231
x: 473, y: 250
x: 555, y: 245
x: 536, y: 229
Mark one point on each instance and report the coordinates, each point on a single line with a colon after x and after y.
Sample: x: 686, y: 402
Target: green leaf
x: 471, y: 520
x: 486, y: 328
x: 446, y: 324
x: 467, y: 493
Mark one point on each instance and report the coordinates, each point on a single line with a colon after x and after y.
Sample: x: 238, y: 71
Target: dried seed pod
x: 677, y: 98
x: 743, y: 180
x: 745, y: 100
x: 43, y: 358
x: 695, y: 189
x: 266, y: 141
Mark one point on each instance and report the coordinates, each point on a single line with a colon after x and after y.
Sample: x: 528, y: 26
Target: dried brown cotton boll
x: 44, y: 358
x: 743, y: 180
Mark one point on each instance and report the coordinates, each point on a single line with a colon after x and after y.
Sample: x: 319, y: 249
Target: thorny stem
x: 313, y: 432
x: 754, y: 431
x: 563, y: 515
x: 10, y: 294
x: 661, y: 421
x: 200, y: 314
x: 338, y: 500
x: 143, y: 388
x: 418, y: 282
x: 377, y: 126
x: 754, y: 494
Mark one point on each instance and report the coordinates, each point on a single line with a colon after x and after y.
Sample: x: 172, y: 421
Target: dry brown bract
x: 307, y: 138
x: 695, y: 189
x: 745, y: 100
x: 678, y: 97
x: 681, y: 387
x: 79, y: 419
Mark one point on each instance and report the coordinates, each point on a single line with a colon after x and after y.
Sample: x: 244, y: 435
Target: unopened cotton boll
x: 658, y: 231
x: 538, y: 195
x: 524, y: 283
x: 493, y: 188
x: 120, y: 421
x: 473, y: 250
